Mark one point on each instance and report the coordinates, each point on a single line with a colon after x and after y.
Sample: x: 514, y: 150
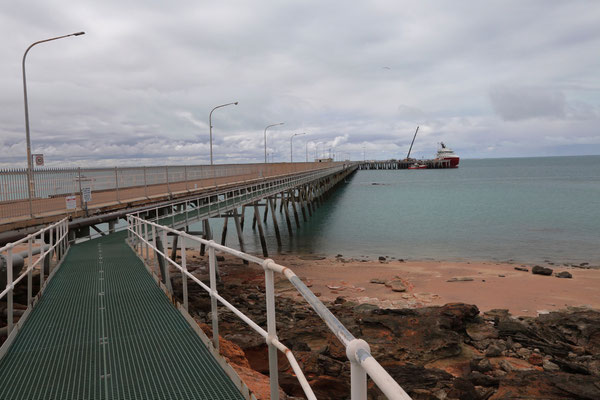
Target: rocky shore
x: 451, y: 351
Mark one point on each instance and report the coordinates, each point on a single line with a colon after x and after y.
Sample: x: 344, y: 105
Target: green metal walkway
x: 104, y: 330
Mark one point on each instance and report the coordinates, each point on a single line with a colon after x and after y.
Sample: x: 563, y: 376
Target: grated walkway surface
x: 104, y: 330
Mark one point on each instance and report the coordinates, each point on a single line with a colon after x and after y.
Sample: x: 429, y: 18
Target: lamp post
x: 291, y: 148
x: 268, y: 126
x: 306, y: 145
x: 27, y: 136
x: 210, y: 126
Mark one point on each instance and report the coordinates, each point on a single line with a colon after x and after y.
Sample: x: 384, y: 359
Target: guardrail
x: 57, y: 243
x: 217, y: 202
x: 145, y: 236
x: 68, y: 190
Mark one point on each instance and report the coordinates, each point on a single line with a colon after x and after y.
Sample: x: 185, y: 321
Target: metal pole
x: 210, y: 127
x: 145, y: 183
x: 30, y: 272
x: 183, y: 275
x: 213, y: 292
x: 306, y: 151
x: 9, y: 297
x: 271, y: 330
x: 291, y: 148
x: 80, y: 190
x: 268, y: 126
x: 117, y: 184
x: 31, y: 189
x: 358, y: 382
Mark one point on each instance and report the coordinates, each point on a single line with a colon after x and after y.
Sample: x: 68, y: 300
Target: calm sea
x: 522, y: 209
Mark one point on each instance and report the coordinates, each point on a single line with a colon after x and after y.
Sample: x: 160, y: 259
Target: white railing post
x: 63, y: 243
x: 186, y: 178
x: 183, y: 272
x: 166, y: 263
x: 167, y: 175
x: 358, y: 376
x: 146, y: 242
x: 271, y: 330
x: 29, y: 273
x: 51, y: 233
x: 41, y: 263
x: 358, y: 382
x: 117, y: 184
x: 212, y: 258
x: 9, y: 285
x: 155, y: 255
x: 187, y: 207
x: 136, y: 237
x: 145, y: 183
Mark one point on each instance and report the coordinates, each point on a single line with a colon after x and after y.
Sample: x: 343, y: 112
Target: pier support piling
x: 224, y: 233
x: 292, y: 201
x: 261, y: 233
x: 287, y: 217
x: 274, y: 218
x: 238, y: 228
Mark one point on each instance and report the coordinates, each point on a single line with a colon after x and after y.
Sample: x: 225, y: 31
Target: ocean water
x: 521, y: 209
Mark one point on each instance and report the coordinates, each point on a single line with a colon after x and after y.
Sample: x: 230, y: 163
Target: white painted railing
x: 220, y: 201
x: 35, y: 243
x: 143, y: 235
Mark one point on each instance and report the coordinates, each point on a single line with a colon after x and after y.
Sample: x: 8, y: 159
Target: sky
x: 488, y: 78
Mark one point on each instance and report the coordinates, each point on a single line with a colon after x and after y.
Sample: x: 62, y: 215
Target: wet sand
x: 494, y: 285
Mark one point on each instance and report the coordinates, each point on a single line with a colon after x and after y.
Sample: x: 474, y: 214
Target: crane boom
x: 411, y: 144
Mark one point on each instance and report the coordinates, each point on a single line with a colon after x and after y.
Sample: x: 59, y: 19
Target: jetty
x: 89, y: 298
x: 403, y: 164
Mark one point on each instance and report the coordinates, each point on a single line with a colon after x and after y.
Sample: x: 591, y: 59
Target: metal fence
x: 218, y: 202
x: 149, y: 239
x: 41, y: 250
x: 57, y: 191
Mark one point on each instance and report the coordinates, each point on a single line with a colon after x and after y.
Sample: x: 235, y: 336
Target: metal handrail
x: 58, y: 242
x: 275, y: 185
x: 142, y: 236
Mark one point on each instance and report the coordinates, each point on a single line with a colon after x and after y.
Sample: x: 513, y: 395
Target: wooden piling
x: 306, y: 201
x: 266, y: 213
x: 174, y: 247
x: 243, y: 216
x: 207, y: 235
x: 274, y: 218
x: 287, y: 216
x: 294, y: 209
x: 261, y: 233
x: 238, y: 228
x: 224, y: 232
x: 298, y: 199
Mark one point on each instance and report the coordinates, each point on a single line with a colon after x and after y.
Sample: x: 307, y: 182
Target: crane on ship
x: 411, y: 145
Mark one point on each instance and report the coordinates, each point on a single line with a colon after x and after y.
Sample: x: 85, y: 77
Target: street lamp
x: 306, y: 145
x: 314, y: 144
x: 291, y: 149
x: 268, y: 126
x: 29, y: 160
x: 210, y: 126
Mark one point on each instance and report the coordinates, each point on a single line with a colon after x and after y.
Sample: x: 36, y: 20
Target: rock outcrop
x: 443, y: 352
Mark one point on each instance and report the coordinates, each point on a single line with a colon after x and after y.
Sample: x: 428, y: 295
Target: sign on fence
x: 87, y: 194
x: 71, y: 202
x: 38, y: 159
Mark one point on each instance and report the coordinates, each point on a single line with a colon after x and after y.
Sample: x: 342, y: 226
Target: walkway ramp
x: 104, y: 330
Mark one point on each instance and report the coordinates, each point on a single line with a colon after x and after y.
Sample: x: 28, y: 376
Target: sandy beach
x: 489, y: 285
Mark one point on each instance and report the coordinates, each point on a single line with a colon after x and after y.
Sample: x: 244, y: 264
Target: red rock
x: 535, y: 359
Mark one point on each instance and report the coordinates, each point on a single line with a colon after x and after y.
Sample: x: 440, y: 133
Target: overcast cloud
x: 489, y: 78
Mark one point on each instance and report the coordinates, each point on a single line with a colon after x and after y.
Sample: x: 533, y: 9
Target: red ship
x: 445, y: 153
